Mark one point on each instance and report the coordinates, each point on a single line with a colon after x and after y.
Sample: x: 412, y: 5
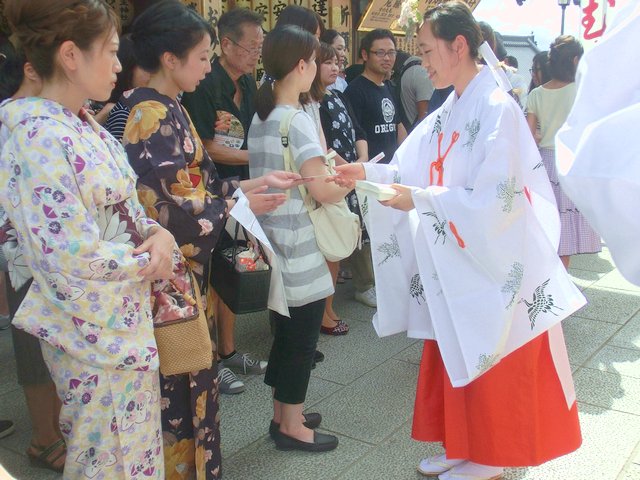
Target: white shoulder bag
x: 338, y: 231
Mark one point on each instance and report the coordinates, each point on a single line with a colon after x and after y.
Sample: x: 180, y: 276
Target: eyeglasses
x: 251, y: 51
x: 383, y: 53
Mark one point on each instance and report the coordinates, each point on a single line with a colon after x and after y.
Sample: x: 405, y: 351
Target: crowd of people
x: 121, y: 152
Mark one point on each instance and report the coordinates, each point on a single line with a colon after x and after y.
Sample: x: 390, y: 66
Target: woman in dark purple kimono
x: 180, y: 188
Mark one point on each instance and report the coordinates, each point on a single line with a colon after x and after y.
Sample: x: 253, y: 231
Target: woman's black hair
x: 283, y: 48
x: 127, y: 59
x: 12, y: 63
x: 450, y: 19
x: 329, y: 35
x: 300, y: 16
x: 167, y: 26
x: 562, y: 58
x: 540, y: 63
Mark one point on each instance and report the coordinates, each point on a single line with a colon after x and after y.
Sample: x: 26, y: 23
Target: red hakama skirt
x: 514, y: 415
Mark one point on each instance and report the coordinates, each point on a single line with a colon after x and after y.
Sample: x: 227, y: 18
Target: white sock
x: 473, y: 470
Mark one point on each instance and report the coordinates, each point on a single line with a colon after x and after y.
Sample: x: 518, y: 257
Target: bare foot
x: 327, y: 321
x: 332, y: 314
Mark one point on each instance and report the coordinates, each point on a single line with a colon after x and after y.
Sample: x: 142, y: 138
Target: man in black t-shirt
x: 371, y: 96
x: 221, y: 109
x: 223, y: 105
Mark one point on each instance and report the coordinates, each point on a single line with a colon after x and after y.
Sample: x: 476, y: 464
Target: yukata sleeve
x: 57, y: 227
x: 179, y: 197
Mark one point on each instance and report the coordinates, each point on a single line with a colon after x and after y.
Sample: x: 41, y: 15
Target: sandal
x: 45, y: 456
x: 434, y: 466
x: 340, y: 328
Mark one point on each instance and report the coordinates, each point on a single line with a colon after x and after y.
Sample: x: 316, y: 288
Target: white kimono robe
x: 597, y: 157
x: 474, y: 265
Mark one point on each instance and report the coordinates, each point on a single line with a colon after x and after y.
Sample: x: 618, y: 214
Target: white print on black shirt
x: 384, y: 128
x: 388, y: 112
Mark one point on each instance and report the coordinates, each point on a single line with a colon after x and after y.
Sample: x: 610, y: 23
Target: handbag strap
x: 258, y: 244
x: 289, y: 164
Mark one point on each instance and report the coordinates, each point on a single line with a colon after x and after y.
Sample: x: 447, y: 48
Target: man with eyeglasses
x: 372, y: 98
x: 221, y: 109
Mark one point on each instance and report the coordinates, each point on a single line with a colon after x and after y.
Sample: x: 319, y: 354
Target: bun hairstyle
x: 167, y: 26
x: 41, y: 26
x: 329, y: 35
x: 450, y: 19
x: 562, y: 55
x: 282, y: 49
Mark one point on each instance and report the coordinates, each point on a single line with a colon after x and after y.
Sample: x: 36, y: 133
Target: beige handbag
x: 180, y: 323
x: 337, y: 229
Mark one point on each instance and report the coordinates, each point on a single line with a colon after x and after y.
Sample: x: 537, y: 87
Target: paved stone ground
x: 365, y: 390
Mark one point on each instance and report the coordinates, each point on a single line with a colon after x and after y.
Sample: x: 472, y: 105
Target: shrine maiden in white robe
x: 474, y: 265
x: 597, y: 153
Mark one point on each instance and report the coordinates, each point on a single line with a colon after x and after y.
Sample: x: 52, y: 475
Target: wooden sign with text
x: 385, y: 14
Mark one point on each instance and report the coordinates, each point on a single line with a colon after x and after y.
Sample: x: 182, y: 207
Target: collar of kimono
x: 438, y: 164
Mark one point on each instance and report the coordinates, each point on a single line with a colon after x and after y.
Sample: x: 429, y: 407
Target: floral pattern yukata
x: 70, y: 196
x: 179, y: 186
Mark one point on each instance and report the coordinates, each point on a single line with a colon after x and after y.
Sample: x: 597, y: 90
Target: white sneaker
x: 367, y: 297
x: 472, y: 471
x: 432, y: 466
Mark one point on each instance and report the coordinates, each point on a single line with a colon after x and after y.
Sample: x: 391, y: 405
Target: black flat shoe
x: 311, y: 420
x: 321, y: 442
x: 317, y: 357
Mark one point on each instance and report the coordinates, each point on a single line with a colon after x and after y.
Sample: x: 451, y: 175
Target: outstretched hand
x: 283, y: 180
x: 261, y: 203
x: 402, y: 201
x: 346, y: 175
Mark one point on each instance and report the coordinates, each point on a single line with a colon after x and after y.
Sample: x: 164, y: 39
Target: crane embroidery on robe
x: 437, y: 126
x: 514, y: 281
x: 472, y: 128
x: 438, y: 227
x: 390, y: 249
x: 364, y: 207
x: 416, y: 289
x: 507, y: 192
x: 541, y: 303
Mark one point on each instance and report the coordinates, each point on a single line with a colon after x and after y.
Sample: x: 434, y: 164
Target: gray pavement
x: 365, y: 388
